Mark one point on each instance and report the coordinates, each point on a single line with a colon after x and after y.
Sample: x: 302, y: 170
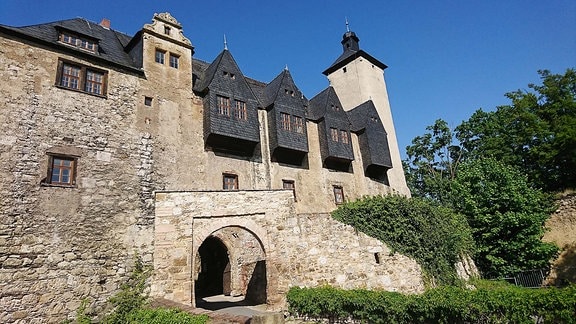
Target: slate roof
x: 372, y: 135
x: 352, y: 51
x: 275, y: 88
x: 110, y: 43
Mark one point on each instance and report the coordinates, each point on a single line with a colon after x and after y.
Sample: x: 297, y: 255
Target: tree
x: 506, y: 216
x: 432, y: 162
x: 536, y: 132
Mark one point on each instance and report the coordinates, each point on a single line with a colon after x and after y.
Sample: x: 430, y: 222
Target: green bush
x: 488, y: 303
x: 164, y: 316
x: 434, y: 236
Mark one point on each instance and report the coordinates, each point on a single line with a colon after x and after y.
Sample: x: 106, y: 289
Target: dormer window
x: 76, y: 41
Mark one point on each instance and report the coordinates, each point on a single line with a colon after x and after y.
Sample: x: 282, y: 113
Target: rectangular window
x: 334, y: 134
x: 230, y: 181
x: 79, y: 42
x: 299, y: 124
x: 289, y: 184
x: 223, y: 105
x: 344, y: 136
x: 61, y: 170
x: 70, y: 76
x: 285, y: 121
x: 148, y: 101
x: 174, y: 60
x: 81, y: 78
x: 159, y: 56
x: 166, y: 30
x: 94, y: 82
x: 241, y: 110
x: 338, y: 195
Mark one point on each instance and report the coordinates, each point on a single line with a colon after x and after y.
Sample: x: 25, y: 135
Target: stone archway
x: 231, y: 261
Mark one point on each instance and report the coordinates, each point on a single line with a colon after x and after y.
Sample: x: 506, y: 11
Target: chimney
x: 105, y: 23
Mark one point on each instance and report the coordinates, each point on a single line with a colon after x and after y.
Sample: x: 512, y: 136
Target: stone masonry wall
x: 300, y: 249
x: 562, y: 230
x: 60, y: 245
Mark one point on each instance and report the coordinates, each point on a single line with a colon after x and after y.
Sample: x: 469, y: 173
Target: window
x: 285, y: 121
x: 81, y: 78
x: 338, y: 195
x: 334, y: 134
x: 166, y: 30
x: 298, y: 124
x: 70, y: 76
x: 159, y: 56
x: 94, y: 82
x: 289, y: 184
x: 223, y: 105
x: 174, y: 60
x: 344, y: 136
x: 148, y: 101
x: 61, y: 170
x: 240, y: 110
x: 79, y: 42
x: 230, y: 181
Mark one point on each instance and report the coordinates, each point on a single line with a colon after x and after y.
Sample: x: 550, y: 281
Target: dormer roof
x: 283, y: 84
x: 111, y: 43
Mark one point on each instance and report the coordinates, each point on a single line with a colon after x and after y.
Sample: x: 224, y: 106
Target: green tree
x: 536, y: 132
x: 506, y: 215
x: 433, y: 159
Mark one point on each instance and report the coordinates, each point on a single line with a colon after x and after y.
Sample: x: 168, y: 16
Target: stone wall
x: 562, y: 231
x: 300, y: 249
x: 59, y: 245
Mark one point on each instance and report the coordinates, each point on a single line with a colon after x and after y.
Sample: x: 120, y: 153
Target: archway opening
x: 214, y: 276
x: 230, y: 270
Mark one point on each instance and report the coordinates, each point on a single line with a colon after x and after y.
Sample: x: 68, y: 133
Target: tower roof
x: 350, y: 43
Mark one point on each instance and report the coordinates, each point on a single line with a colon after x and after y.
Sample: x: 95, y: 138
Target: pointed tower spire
x: 347, y: 25
x: 286, y: 67
x: 225, y: 43
x: 350, y: 40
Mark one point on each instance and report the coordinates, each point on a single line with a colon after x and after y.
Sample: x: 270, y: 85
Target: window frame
x: 234, y: 179
x: 289, y: 185
x: 160, y: 59
x: 83, y: 83
x: 174, y: 60
x: 78, y: 41
x: 338, y: 194
x: 72, y: 170
x: 298, y: 124
x: 344, y: 138
x: 240, y: 110
x: 223, y: 105
x: 334, y: 134
x: 285, y: 121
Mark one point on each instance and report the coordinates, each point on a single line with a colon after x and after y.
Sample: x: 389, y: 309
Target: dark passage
x: 214, y: 261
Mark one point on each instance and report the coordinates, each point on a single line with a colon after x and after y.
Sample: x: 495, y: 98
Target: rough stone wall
x: 562, y: 231
x: 59, y: 245
x: 300, y: 249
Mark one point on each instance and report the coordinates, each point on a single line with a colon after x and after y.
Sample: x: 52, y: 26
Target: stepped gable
x: 333, y: 129
x: 286, y: 106
x: 372, y: 136
x: 110, y: 43
x: 350, y: 43
x: 229, y: 130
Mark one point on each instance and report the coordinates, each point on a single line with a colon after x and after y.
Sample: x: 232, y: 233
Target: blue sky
x: 446, y: 58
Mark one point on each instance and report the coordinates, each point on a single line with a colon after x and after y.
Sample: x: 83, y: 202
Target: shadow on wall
x: 564, y: 268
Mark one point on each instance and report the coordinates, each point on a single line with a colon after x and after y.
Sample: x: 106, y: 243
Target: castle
x: 114, y: 145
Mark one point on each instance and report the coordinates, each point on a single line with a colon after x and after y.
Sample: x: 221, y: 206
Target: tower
x: 358, y: 77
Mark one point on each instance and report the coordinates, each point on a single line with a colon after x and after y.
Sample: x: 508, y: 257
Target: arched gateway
x: 231, y: 261
x: 223, y: 250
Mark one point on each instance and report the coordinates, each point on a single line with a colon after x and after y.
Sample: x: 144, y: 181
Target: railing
x: 528, y: 279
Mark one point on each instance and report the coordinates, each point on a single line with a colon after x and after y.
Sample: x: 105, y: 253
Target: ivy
x: 435, y: 236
